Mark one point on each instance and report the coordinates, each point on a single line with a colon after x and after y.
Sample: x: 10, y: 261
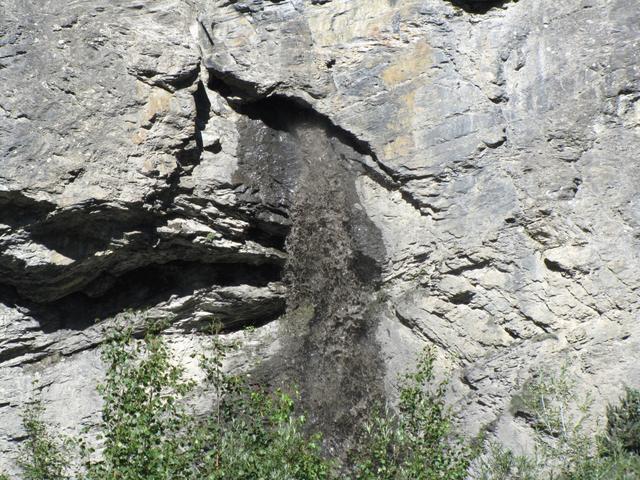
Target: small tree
x: 623, y: 425
x: 151, y: 435
x: 43, y: 456
x: 562, y: 441
x: 144, y: 423
x: 254, y: 434
x: 417, y: 442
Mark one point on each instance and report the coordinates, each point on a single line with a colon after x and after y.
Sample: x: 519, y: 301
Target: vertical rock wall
x: 357, y: 178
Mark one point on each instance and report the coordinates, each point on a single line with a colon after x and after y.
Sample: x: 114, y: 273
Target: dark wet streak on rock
x: 295, y: 162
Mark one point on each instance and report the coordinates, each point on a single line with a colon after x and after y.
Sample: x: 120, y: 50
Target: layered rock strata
x: 356, y: 178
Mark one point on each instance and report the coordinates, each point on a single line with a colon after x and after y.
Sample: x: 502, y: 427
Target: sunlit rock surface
x: 356, y: 178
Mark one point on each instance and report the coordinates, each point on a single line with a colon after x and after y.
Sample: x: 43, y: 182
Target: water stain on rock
x: 294, y: 160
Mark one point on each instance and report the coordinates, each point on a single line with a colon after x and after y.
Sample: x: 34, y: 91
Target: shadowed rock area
x: 297, y: 163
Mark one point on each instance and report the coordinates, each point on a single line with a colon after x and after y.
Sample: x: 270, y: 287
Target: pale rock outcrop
x: 462, y: 174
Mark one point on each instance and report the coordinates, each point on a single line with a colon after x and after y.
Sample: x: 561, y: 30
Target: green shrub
x: 499, y: 463
x: 564, y: 450
x: 548, y: 401
x: 617, y: 467
x: 264, y: 439
x: 417, y: 442
x: 622, y: 433
x: 256, y: 434
x: 144, y: 423
x: 150, y: 434
x: 43, y: 456
x: 618, y: 456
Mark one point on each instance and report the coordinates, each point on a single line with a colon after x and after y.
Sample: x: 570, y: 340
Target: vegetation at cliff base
x: 150, y: 433
x: 44, y: 455
x: 417, y: 440
x: 564, y: 447
x: 150, y: 430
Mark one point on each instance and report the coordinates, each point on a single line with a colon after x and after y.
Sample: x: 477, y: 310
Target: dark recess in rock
x: 17, y: 209
x: 235, y: 90
x: 556, y: 267
x: 143, y: 288
x: 462, y: 298
x: 284, y: 113
x: 479, y: 6
x: 203, y: 107
x: 281, y: 112
x: 81, y: 232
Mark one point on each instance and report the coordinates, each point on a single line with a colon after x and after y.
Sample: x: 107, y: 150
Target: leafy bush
x: 145, y: 426
x: 499, y: 463
x: 548, y: 401
x: 256, y: 434
x: 418, y: 441
x: 618, y: 467
x: 618, y: 456
x: 251, y: 434
x: 623, y: 426
x: 43, y: 455
x: 150, y: 433
x: 264, y: 440
x: 564, y: 450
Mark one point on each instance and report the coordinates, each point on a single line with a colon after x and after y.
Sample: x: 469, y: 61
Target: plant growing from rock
x: 149, y: 433
x: 256, y: 434
x: 500, y: 463
x: 44, y: 456
x: 618, y: 453
x: 144, y: 423
x: 416, y: 442
x: 564, y: 449
x: 623, y: 426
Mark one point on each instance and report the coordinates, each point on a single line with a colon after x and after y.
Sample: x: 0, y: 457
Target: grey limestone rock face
x: 356, y: 178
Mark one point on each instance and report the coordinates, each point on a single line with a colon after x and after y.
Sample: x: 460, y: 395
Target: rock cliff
x: 355, y: 178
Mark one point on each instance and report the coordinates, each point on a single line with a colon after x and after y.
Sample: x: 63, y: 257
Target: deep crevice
x: 18, y: 210
x: 234, y: 89
x: 462, y: 298
x: 474, y: 265
x: 138, y: 289
x: 203, y: 108
x: 479, y: 6
x: 268, y: 235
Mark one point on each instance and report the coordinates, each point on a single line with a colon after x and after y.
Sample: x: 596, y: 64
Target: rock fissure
x: 479, y: 6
